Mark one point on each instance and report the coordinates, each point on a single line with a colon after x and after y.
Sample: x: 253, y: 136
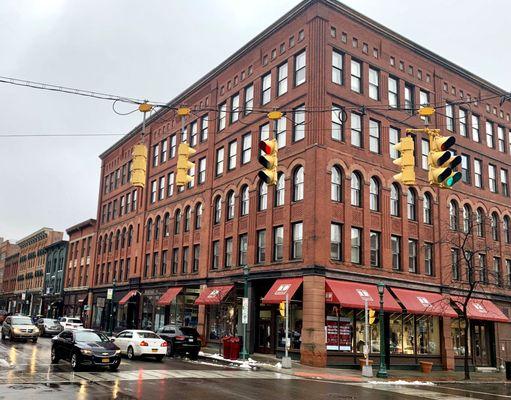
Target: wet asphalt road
x: 26, y: 373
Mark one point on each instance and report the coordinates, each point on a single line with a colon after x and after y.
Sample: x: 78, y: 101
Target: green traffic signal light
x: 451, y: 180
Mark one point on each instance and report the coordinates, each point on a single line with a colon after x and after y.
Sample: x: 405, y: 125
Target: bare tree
x: 469, y: 240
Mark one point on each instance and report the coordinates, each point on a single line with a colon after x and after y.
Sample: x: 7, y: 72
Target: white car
x: 135, y: 343
x: 71, y: 323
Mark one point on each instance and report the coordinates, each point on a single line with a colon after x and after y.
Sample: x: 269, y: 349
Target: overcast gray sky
x: 155, y: 49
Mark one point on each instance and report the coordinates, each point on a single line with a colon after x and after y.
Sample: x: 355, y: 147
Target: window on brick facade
x: 217, y: 214
x: 336, y: 184
x: 495, y: 227
x: 298, y: 183
x: 261, y: 246
x: 395, y: 242
x: 449, y: 117
x: 232, y: 152
x: 356, y: 130
x: 374, y: 84
x: 193, y: 134
x: 204, y: 128
x: 282, y: 79
x: 395, y: 200
x: 490, y: 140
x: 337, y: 125
x: 412, y: 205
x: 300, y: 68
x: 278, y: 243
x: 280, y: 189
x: 246, y: 148
x: 243, y: 249
x: 262, y: 196
x: 475, y: 128
x: 337, y: 67
x: 374, y: 136
x: 296, y: 245
x: 356, y: 76
x: 249, y: 99
x: 219, y: 170
x: 504, y: 182
x: 412, y: 255
x: 356, y: 189
x: 393, y: 140
x: 375, y: 243
x: 215, y: 255
x: 462, y: 119
x: 230, y: 205
x: 427, y: 209
x: 222, y: 116
x: 492, y: 178
x: 393, y: 92
x: 198, y: 216
x: 409, y: 99
x: 177, y: 222
x: 506, y: 227
x: 428, y: 259
x: 501, y: 137
x: 356, y: 245
x: 235, y: 108
x: 298, y: 123
x: 266, y: 89
x: 336, y: 241
x: 374, y: 194
x: 149, y: 230
x: 244, y: 200
x: 453, y: 215
x: 228, y: 253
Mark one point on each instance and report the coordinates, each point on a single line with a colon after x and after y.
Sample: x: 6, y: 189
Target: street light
x: 244, y: 352
x: 111, y: 320
x: 382, y: 372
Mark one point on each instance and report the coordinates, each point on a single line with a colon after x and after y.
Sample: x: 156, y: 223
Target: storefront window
x: 122, y: 317
x: 295, y: 326
x: 408, y: 334
x: 186, y: 310
x: 148, y: 312
x: 374, y: 334
x: 339, y: 328
x: 396, y: 333
x: 428, y: 334
x: 458, y: 336
x: 222, y: 318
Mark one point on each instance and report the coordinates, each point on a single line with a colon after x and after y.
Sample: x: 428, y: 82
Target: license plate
x: 190, y: 340
x: 105, y: 360
x: 155, y: 350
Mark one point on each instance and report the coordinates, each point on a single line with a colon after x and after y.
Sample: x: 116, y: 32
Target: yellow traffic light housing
x: 441, y: 162
x: 282, y: 308
x: 407, y: 161
x: 372, y: 316
x: 184, y: 152
x: 269, y: 161
x: 139, y: 165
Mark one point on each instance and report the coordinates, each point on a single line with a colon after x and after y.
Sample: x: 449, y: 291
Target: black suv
x: 85, y: 347
x: 181, y: 340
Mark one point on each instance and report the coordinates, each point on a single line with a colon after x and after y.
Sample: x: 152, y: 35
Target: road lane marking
x: 409, y: 391
x: 475, y: 391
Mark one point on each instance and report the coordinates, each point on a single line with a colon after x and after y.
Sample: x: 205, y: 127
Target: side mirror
x: 112, y: 340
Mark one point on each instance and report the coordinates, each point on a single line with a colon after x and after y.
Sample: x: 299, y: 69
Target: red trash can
x: 235, y: 348
x: 226, y: 347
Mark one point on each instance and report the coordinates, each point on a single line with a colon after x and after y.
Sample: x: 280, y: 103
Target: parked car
x: 71, y: 323
x: 181, y: 340
x: 85, y: 347
x: 19, y: 327
x: 135, y: 343
x: 49, y: 326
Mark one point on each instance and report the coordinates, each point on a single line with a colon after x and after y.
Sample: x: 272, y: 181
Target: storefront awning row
x: 169, y: 296
x: 213, y: 294
x: 417, y: 302
x: 128, y: 296
x: 282, y: 288
x: 481, y: 309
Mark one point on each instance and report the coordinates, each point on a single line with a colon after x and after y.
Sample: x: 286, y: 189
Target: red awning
x: 281, y: 287
x: 169, y: 296
x: 426, y: 303
x: 128, y: 296
x: 481, y: 309
x: 213, y: 294
x: 353, y: 294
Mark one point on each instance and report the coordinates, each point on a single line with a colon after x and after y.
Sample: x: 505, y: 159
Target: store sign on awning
x: 364, y: 295
x: 282, y: 289
x: 480, y: 308
x: 425, y: 302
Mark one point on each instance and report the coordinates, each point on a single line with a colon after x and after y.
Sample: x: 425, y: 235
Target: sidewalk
x: 272, y: 363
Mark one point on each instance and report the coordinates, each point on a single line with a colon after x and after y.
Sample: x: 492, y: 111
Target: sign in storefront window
x: 339, y: 329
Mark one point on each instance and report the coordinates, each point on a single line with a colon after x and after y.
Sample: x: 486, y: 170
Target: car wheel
x: 34, y: 340
x: 75, y: 364
x: 43, y: 332
x: 54, y: 358
x: 194, y: 355
x: 114, y: 367
x: 170, y: 350
x: 130, y: 353
x: 159, y: 357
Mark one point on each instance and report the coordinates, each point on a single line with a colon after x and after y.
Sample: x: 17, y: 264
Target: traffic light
x: 372, y: 316
x: 282, y: 308
x: 442, y: 163
x: 139, y: 165
x: 184, y: 152
x: 407, y: 161
x: 269, y: 160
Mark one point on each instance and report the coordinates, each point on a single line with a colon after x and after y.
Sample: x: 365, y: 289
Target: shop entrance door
x: 481, y: 343
x: 265, y: 330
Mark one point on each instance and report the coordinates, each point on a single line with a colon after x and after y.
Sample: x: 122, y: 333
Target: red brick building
x: 9, y: 256
x: 80, y: 255
x: 336, y: 223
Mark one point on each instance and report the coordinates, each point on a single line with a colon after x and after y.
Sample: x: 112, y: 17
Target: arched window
x: 507, y: 229
x: 149, y: 229
x: 262, y: 203
x: 480, y: 228
x: 395, y: 200
x: 411, y: 201
x: 467, y: 216
x: 188, y: 218
x: 336, y: 184
x: 218, y: 210
x: 244, y: 200
x: 117, y: 239
x: 495, y: 226
x: 166, y: 225
x: 105, y: 244
x: 298, y: 184
x: 230, y: 205
x: 374, y: 194
x: 198, y: 216
x: 426, y: 209
x: 356, y: 189
x: 177, y: 222
x: 123, y: 238
x: 100, y: 240
x: 130, y: 235
x: 453, y: 215
x: 157, y: 227
x: 280, y: 189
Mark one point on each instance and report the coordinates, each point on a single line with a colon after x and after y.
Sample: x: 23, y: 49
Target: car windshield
x: 186, y: 330
x: 148, y: 335
x: 87, y: 336
x: 21, y: 321
x: 74, y: 321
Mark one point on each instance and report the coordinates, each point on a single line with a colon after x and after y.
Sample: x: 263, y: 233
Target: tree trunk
x: 466, y: 367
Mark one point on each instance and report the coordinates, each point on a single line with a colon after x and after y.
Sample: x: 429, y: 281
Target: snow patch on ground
x: 400, y: 382
x: 243, y: 364
x: 5, y: 363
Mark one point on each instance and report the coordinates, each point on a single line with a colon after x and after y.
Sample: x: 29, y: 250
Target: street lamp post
x: 244, y: 352
x: 382, y: 372
x: 111, y: 319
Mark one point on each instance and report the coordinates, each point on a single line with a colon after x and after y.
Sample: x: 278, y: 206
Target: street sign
x: 23, y: 295
x: 244, y: 311
x: 109, y: 294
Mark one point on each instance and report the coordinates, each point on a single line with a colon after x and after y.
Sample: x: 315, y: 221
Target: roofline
x: 19, y: 242
x: 348, y: 11
x: 80, y: 225
x: 55, y: 244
